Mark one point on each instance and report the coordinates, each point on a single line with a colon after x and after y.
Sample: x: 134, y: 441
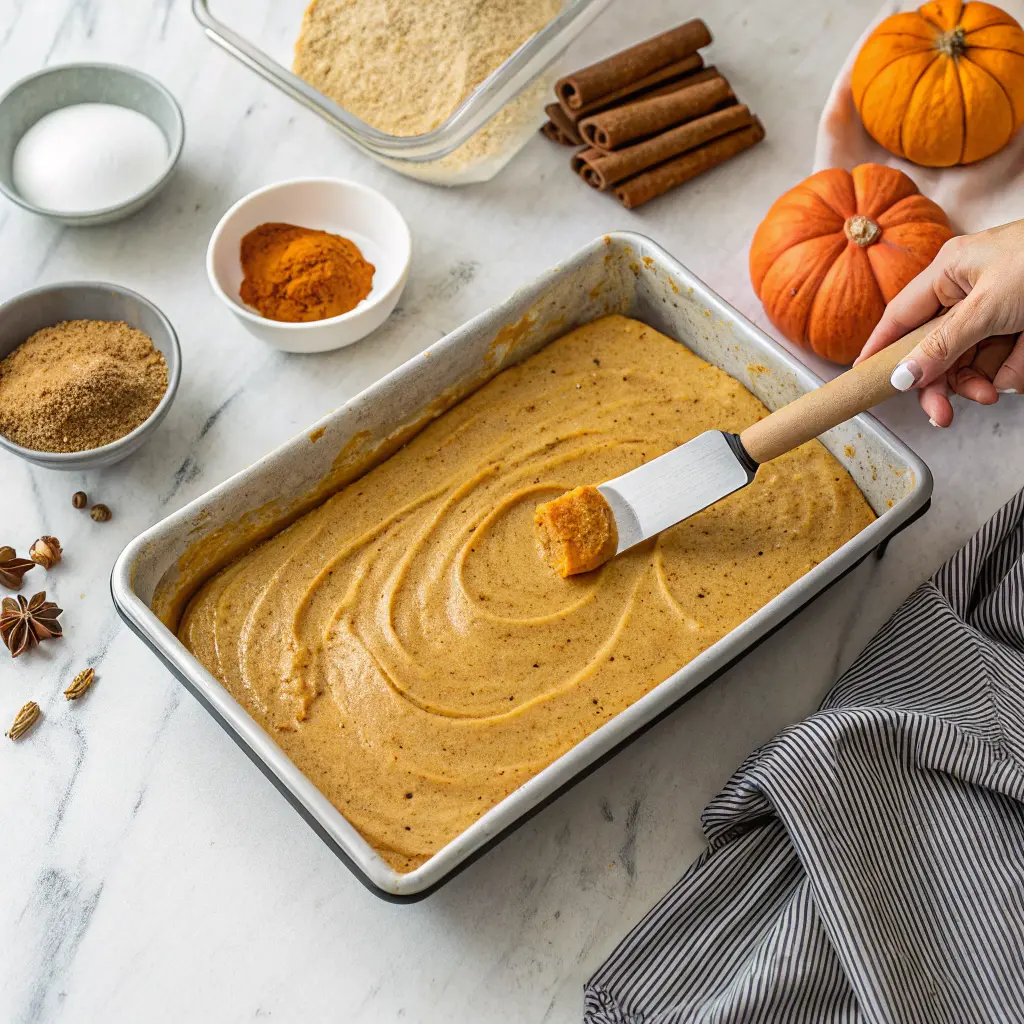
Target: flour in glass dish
x: 404, y: 66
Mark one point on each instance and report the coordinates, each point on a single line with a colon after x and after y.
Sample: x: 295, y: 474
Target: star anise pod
x: 23, y: 624
x: 13, y: 568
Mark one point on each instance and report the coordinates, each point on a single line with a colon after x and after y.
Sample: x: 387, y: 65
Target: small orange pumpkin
x: 834, y: 250
x: 944, y: 84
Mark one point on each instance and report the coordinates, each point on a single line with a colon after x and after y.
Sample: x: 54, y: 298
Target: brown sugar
x: 299, y: 274
x: 79, y: 385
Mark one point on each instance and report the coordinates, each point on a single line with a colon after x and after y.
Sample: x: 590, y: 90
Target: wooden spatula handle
x: 855, y: 391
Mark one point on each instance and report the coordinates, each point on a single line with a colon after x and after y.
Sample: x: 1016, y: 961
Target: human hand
x: 978, y: 349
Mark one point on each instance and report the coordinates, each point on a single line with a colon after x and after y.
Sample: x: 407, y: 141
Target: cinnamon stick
x: 550, y: 131
x: 641, y: 87
x: 590, y: 83
x: 614, y: 128
x: 601, y: 169
x: 560, y: 128
x: 650, y: 184
x: 582, y: 159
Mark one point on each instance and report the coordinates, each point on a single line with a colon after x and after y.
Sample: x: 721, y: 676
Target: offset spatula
x: 714, y: 464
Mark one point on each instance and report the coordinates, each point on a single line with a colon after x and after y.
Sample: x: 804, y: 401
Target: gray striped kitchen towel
x: 868, y: 863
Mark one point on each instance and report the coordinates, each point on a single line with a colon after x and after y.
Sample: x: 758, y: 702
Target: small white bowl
x: 329, y: 204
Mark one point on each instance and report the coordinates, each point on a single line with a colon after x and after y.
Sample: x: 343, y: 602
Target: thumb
x: 963, y: 327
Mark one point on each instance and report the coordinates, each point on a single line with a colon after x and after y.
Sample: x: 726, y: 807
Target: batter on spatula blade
x: 576, y: 531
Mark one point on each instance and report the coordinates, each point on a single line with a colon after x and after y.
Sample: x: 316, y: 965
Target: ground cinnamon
x: 298, y: 274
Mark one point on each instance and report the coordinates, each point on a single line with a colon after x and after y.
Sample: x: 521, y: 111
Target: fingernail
x: 932, y: 422
x: 1007, y: 391
x: 906, y: 375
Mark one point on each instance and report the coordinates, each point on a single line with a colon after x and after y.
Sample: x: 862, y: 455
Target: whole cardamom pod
x: 24, y: 720
x: 80, y: 683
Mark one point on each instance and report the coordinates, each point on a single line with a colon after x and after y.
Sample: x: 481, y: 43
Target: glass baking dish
x: 262, y: 34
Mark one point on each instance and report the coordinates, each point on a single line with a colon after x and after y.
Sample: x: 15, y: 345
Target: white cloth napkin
x: 977, y: 196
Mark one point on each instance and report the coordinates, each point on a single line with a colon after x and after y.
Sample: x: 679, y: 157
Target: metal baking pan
x: 624, y: 273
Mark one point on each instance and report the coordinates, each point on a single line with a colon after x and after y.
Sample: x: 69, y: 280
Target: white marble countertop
x: 148, y: 871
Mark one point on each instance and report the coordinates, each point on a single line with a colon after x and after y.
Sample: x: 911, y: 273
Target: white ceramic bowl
x: 328, y: 204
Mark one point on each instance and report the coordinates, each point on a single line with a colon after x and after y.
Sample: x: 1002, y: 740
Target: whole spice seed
x: 46, y: 552
x: 100, y: 513
x: 13, y: 568
x: 80, y: 684
x: 79, y: 499
x: 25, y: 719
x: 23, y: 624
x: 79, y: 385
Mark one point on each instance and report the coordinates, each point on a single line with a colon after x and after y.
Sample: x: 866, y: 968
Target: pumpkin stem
x: 862, y: 230
x: 952, y: 44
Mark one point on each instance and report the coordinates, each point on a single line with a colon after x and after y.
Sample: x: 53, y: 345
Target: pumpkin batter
x: 408, y: 647
x: 576, y: 531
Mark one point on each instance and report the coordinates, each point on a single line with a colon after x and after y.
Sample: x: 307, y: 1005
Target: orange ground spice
x: 300, y: 274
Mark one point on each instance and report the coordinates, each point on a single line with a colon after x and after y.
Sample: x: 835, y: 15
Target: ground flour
x: 404, y: 67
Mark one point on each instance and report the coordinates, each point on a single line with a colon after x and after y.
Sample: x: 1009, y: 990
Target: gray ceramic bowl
x: 53, y: 88
x: 29, y: 312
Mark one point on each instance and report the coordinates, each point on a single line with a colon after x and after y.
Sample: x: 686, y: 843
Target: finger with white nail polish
x: 976, y: 349
x: 906, y: 375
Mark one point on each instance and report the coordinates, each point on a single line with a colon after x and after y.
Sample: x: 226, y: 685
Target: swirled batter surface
x: 406, y: 644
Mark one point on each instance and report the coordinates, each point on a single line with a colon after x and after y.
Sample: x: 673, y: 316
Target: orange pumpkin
x: 834, y: 250
x: 944, y: 84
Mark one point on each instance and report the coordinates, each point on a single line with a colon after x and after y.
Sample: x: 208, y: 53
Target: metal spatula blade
x: 676, y: 485
x: 713, y: 465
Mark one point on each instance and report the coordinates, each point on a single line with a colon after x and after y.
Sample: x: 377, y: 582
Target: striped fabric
x: 868, y: 863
